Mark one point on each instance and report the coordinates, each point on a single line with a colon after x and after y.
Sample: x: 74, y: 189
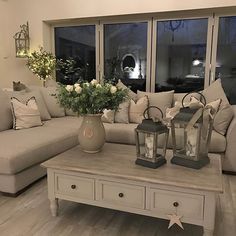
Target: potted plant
x: 90, y: 100
x: 42, y: 64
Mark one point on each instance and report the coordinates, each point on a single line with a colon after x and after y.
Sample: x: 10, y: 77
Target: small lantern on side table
x: 196, y: 136
x: 146, y: 135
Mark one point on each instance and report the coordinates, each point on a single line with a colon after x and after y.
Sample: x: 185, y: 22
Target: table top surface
x: 118, y: 161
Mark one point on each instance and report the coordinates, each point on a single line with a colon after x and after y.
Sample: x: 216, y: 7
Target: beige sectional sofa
x: 22, y: 151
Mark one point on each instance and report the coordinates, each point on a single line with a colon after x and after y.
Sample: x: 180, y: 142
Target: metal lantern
x: 146, y: 135
x: 196, y: 136
x: 22, y: 41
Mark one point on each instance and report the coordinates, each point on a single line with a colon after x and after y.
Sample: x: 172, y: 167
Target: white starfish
x: 175, y: 219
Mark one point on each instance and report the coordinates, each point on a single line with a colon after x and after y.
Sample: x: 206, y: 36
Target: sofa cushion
x: 120, y: 133
x: 162, y: 100
x: 124, y: 133
x: 225, y: 113
x: 25, y: 115
x: 6, y: 118
x: 53, y: 106
x: 24, y: 96
x: 122, y: 114
x: 137, y: 109
x: 108, y: 116
x: 24, y: 148
x: 178, y: 97
x: 131, y: 94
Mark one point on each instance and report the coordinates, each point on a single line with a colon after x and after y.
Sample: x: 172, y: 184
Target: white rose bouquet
x: 91, y: 98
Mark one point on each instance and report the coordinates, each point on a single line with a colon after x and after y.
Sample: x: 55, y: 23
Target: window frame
x: 182, y: 17
x: 127, y: 20
x: 217, y: 17
x: 213, y: 16
x: 82, y: 22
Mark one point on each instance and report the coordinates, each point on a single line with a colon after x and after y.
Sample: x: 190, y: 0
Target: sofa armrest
x: 229, y: 161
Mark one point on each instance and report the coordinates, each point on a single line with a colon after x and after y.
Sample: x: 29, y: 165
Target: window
x: 76, y: 44
x: 226, y: 56
x: 150, y: 54
x: 181, y: 55
x: 125, y: 53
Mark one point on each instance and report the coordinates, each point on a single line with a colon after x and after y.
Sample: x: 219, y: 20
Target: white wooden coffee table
x: 111, y: 179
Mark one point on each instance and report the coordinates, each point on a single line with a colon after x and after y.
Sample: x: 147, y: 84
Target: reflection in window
x: 181, y: 55
x: 226, y: 56
x: 76, y: 45
x: 125, y: 49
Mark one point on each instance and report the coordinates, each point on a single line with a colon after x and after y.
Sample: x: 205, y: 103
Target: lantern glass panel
x: 150, y: 146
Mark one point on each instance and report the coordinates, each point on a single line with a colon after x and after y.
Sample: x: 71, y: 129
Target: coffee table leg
x: 54, y: 206
x: 209, y: 214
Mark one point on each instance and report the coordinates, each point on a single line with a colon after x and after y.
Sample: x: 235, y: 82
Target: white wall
x: 16, y: 12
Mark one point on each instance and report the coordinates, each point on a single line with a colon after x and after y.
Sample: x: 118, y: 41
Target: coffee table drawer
x: 187, y: 205
x: 122, y: 194
x: 75, y: 186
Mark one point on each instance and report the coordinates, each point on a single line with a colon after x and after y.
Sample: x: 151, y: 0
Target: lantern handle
x: 145, y: 111
x: 201, y: 95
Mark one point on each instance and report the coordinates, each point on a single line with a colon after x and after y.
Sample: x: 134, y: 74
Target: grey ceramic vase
x: 92, y: 133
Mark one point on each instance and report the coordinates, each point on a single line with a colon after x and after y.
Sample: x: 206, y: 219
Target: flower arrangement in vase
x: 42, y: 64
x: 90, y: 100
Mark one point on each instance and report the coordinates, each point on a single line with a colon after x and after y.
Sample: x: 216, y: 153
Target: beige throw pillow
x: 225, y: 113
x: 178, y: 97
x: 122, y: 114
x: 136, y: 110
x: 53, y: 106
x: 163, y: 100
x: 24, y: 96
x: 25, y: 115
x: 131, y: 94
x: 108, y: 116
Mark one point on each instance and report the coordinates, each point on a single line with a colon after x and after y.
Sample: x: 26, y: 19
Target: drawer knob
x: 175, y: 204
x: 121, y: 194
x: 73, y: 186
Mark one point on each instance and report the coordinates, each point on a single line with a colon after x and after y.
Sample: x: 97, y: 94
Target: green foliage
x: 68, y: 67
x: 91, y: 98
x: 41, y: 63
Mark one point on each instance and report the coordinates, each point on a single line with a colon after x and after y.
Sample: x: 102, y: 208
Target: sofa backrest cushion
x: 24, y: 96
x: 131, y: 94
x: 53, y: 106
x: 6, y: 119
x: 162, y: 100
x: 225, y: 114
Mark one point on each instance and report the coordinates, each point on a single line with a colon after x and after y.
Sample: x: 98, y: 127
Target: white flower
x: 98, y: 86
x: 77, y: 85
x: 94, y: 82
x: 78, y: 89
x: 69, y: 88
x: 113, y: 89
x: 86, y: 84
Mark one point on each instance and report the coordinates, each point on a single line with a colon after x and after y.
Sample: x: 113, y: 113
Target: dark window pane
x: 76, y: 43
x: 181, y: 55
x: 226, y: 56
x: 125, y: 53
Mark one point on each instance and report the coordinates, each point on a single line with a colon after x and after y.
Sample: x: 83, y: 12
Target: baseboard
x: 227, y: 172
x: 22, y: 190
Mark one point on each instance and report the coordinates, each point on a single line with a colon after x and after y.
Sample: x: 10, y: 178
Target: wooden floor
x: 29, y: 214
